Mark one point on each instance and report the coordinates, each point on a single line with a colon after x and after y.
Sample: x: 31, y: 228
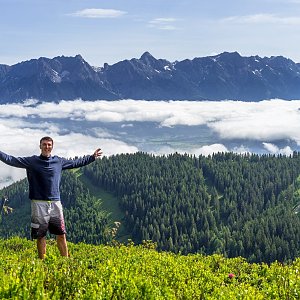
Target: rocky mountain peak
x: 224, y: 76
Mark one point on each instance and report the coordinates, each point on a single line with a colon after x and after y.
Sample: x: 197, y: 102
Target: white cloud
x: 98, y: 13
x: 210, y: 149
x: 262, y: 19
x: 273, y: 149
x: 241, y: 149
x: 204, y: 150
x: 105, y: 116
x: 126, y: 125
x: 21, y: 138
x: 25, y: 142
x: 263, y: 121
x: 22, y: 125
x: 163, y: 23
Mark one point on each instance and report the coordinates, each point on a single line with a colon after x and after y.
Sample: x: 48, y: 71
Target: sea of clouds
x: 23, y: 124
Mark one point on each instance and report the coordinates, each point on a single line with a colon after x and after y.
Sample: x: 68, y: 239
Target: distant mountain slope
x: 219, y: 77
x: 52, y: 80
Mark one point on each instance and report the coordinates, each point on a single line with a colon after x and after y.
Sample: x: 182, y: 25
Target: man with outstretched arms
x: 44, y: 174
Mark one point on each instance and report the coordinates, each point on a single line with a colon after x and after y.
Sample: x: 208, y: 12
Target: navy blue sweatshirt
x: 44, y: 173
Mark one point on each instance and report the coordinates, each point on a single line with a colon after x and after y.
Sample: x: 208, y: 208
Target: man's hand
x: 97, y: 153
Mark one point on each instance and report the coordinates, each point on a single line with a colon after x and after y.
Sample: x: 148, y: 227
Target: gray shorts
x: 46, y: 215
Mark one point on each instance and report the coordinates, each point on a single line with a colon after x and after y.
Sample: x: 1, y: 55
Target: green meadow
x: 120, y: 271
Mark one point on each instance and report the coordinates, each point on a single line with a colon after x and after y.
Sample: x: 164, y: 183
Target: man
x: 44, y: 174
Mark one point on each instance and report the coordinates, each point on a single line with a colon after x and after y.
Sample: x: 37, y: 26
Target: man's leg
x: 62, y: 244
x: 39, y: 225
x: 41, y: 246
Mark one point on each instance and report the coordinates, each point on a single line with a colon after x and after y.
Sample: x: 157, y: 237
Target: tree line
x: 235, y: 205
x: 232, y: 204
x: 85, y: 219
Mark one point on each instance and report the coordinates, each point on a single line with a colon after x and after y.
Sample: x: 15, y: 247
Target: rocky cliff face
x: 220, y: 77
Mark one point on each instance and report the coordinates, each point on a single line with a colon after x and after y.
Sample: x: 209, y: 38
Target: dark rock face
x: 220, y: 77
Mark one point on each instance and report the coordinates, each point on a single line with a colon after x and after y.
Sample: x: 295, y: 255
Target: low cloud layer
x: 265, y: 121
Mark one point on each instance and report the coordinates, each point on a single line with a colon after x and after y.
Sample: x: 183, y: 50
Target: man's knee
x: 61, y: 237
x: 38, y: 231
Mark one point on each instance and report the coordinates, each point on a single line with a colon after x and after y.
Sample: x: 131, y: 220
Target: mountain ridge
x: 226, y: 76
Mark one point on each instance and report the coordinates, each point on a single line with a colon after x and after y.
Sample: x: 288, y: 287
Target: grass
x: 110, y: 204
x: 137, y: 272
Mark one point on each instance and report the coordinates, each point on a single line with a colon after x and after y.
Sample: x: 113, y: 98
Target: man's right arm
x: 18, y: 162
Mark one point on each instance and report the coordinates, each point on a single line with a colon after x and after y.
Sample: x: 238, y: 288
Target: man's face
x: 46, y: 147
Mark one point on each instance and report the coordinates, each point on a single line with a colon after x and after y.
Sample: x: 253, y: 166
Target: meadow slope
x: 137, y: 272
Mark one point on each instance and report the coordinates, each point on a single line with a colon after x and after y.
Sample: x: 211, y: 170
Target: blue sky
x: 110, y: 31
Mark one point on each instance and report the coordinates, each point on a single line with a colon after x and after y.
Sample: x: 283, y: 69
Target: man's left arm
x: 81, y: 161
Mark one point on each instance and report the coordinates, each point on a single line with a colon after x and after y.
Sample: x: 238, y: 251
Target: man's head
x: 46, y: 145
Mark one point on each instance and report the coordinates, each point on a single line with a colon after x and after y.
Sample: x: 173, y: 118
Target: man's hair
x: 46, y: 138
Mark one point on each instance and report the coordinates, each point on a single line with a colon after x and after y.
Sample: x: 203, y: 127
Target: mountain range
x: 225, y: 76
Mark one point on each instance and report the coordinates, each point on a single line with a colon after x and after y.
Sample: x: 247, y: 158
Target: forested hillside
x: 85, y: 219
x: 235, y: 205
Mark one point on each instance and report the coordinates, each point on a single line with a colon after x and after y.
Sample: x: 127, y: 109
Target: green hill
x: 235, y: 205
x: 137, y: 272
x: 229, y: 204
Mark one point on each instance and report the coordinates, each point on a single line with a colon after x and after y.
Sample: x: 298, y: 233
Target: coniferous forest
x: 230, y: 204
x: 84, y: 218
